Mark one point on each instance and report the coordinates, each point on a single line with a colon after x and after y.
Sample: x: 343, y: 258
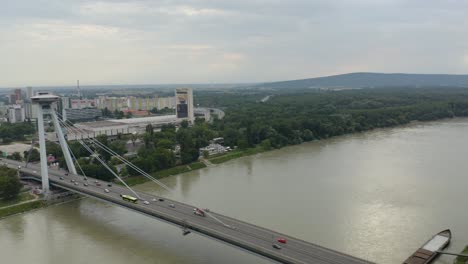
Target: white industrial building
x: 202, y: 113
x: 112, y: 127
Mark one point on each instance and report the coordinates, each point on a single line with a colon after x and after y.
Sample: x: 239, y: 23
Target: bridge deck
x: 241, y: 234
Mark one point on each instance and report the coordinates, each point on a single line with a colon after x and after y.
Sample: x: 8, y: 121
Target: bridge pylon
x: 44, y: 103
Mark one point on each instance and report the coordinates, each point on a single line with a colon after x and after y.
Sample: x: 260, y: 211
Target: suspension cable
x: 113, y: 153
x: 74, y: 157
x: 108, y: 168
x: 110, y: 151
x: 119, y: 157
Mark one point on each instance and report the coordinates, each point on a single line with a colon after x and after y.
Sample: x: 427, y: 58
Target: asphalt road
x: 232, y: 231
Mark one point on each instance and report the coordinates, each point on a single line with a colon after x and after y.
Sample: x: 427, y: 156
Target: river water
x: 377, y: 195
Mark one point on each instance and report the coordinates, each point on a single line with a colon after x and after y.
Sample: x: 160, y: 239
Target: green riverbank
x: 216, y: 159
x: 21, y: 208
x: 236, y: 154
x: 131, y: 181
x: 22, y: 197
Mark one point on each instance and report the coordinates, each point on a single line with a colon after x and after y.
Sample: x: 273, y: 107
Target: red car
x: 198, y: 212
x: 282, y: 240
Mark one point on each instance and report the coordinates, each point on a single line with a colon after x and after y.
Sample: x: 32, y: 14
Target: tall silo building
x: 184, y: 104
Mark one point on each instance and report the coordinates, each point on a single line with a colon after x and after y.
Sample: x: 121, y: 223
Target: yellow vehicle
x: 129, y: 198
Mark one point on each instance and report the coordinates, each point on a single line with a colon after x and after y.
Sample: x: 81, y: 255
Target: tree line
x: 10, y: 185
x: 15, y: 131
x: 313, y: 114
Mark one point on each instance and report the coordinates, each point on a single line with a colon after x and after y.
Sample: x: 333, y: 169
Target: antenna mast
x: 79, y: 93
x: 78, y: 87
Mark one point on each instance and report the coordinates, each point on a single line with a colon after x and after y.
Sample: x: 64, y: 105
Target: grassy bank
x: 217, y: 159
x: 165, y: 173
x: 22, y: 197
x: 20, y: 208
x: 236, y: 154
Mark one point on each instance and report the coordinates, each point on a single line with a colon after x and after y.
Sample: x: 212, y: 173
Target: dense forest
x: 304, y: 115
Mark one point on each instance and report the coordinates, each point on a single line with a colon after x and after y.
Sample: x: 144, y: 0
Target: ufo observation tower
x: 45, y: 103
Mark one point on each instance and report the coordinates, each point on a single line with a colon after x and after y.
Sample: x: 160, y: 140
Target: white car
x: 146, y: 202
x: 106, y: 190
x: 34, y: 171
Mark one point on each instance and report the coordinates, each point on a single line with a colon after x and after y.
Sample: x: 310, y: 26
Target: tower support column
x: 63, y: 144
x: 42, y: 150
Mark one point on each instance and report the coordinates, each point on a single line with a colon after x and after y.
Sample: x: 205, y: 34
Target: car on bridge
x: 282, y: 240
x: 276, y: 246
x: 199, y: 212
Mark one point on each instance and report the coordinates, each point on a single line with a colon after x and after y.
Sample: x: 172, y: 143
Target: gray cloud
x: 55, y: 42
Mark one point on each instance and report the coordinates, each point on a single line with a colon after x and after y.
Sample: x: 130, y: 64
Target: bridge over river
x: 246, y: 236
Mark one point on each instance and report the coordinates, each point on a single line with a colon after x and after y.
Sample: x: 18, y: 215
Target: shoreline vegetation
x: 460, y: 259
x: 135, y: 180
x: 235, y: 154
x: 215, y: 159
x: 291, y: 117
x: 22, y: 208
x: 27, y: 202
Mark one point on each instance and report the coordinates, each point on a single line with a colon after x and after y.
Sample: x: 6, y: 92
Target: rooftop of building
x: 129, y: 121
x: 148, y: 119
x: 103, y: 123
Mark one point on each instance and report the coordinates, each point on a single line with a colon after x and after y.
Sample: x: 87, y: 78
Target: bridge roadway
x: 247, y: 236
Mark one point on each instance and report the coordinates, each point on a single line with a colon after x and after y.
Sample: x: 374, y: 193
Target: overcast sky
x: 56, y: 42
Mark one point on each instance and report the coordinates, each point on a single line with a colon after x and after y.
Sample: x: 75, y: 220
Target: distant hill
x: 368, y: 79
